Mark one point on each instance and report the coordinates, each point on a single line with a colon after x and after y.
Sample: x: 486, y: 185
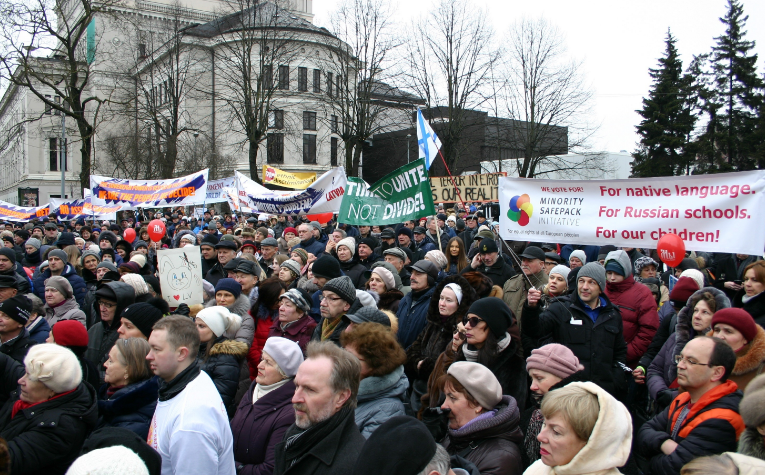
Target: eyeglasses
x: 551, y: 264
x: 103, y: 303
x: 331, y: 299
x: 460, y: 334
x: 679, y: 358
x: 472, y: 321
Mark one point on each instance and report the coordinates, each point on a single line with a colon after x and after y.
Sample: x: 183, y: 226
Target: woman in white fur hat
x: 220, y: 357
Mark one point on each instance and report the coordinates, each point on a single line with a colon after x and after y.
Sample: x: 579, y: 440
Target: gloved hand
x: 665, y: 397
x: 183, y: 309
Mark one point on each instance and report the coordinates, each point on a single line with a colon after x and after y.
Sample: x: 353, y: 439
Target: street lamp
x: 408, y: 136
x: 196, y: 134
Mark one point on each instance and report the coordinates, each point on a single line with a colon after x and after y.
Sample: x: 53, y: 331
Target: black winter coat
x: 223, y: 364
x: 509, y: 367
x: 18, y: 348
x: 77, y: 282
x: 23, y: 284
x: 10, y: 373
x: 334, y: 454
x: 711, y: 427
x: 499, y: 273
x: 599, y: 345
x: 46, y: 438
x: 132, y: 407
x: 754, y: 307
x: 257, y: 428
x: 215, y: 274
x: 729, y: 269
x: 355, y: 271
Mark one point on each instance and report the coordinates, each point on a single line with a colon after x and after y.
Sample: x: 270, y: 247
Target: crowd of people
x: 429, y: 347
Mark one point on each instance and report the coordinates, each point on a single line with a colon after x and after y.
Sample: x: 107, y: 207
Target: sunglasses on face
x: 472, y: 321
x: 460, y: 334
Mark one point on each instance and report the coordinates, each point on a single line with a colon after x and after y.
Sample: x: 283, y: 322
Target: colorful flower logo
x: 520, y: 209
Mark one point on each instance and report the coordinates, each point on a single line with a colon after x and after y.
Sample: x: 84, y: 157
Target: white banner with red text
x: 714, y: 213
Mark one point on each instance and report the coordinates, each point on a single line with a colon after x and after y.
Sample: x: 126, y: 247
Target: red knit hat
x: 739, y: 319
x: 682, y: 291
x: 290, y: 230
x: 70, y: 333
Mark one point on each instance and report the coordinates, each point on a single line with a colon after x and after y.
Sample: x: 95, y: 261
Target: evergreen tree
x: 730, y: 141
x: 668, y: 119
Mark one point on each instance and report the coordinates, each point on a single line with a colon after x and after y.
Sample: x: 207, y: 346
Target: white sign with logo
x: 180, y: 275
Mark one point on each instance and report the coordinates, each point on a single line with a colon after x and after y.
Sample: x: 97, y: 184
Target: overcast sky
x: 617, y: 40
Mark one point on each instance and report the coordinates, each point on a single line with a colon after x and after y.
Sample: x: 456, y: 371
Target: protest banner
x: 82, y: 208
x: 180, y: 275
x: 471, y: 188
x: 298, y: 181
x: 322, y: 196
x: 217, y: 189
x: 11, y: 212
x: 714, y: 213
x: 186, y: 190
x: 401, y: 195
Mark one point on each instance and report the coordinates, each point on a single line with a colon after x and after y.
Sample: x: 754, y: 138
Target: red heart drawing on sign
x: 177, y: 297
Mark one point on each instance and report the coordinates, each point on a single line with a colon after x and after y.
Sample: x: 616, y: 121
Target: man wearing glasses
x: 338, y: 297
x: 703, y: 419
x: 111, y: 300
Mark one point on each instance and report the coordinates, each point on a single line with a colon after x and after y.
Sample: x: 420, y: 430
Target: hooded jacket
x: 437, y: 335
x: 379, y: 399
x: 712, y: 426
x: 102, y: 335
x: 68, y: 310
x: 223, y: 363
x: 258, y: 427
x: 47, y: 437
x: 747, y: 465
x: 130, y: 407
x: 491, y: 442
x: 599, y: 345
x: 663, y: 370
x: 412, y: 316
x: 78, y: 284
x: 608, y: 446
x: 637, y: 306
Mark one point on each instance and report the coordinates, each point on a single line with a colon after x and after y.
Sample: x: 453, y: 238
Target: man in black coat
x: 489, y: 263
x: 324, y: 438
x: 587, y: 323
x: 15, y: 339
x: 8, y: 267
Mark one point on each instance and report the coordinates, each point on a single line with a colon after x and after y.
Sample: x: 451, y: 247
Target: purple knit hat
x: 555, y: 359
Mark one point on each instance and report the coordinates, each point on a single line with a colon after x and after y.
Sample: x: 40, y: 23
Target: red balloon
x: 671, y: 249
x: 129, y: 235
x: 322, y: 218
x: 156, y: 230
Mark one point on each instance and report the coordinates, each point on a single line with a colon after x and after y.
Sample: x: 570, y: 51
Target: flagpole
x: 452, y: 179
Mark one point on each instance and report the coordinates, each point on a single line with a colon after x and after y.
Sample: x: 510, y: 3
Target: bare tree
x: 546, y: 97
x: 57, y: 31
x: 363, y: 66
x: 450, y: 59
x: 167, y: 74
x: 258, y: 40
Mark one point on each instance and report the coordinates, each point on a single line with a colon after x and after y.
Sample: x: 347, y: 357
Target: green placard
x: 401, y: 195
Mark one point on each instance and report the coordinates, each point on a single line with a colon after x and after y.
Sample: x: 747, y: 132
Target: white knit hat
x: 139, y: 259
x: 348, y: 242
x: 115, y: 460
x: 220, y: 320
x: 136, y: 281
x: 694, y: 274
x: 54, y: 366
x: 366, y: 298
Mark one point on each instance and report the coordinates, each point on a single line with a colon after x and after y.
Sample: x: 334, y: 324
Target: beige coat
x: 517, y: 288
x: 609, y: 444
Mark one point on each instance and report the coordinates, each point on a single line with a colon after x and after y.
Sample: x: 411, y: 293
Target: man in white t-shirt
x: 190, y: 428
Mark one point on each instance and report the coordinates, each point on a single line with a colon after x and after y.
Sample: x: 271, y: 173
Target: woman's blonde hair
x: 579, y: 408
x: 711, y: 465
x: 132, y: 352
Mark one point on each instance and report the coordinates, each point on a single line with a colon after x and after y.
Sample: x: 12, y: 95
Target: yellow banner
x: 297, y: 181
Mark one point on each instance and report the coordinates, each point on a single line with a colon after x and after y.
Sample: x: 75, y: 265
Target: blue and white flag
x: 427, y: 140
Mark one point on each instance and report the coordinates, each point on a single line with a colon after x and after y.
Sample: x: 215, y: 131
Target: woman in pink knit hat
x: 550, y: 367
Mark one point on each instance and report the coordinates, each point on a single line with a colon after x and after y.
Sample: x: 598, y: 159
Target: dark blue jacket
x: 132, y: 407
x: 412, y: 317
x: 312, y: 245
x: 590, y: 251
x: 77, y: 282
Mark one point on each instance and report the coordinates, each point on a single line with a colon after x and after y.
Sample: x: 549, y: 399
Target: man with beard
x: 324, y: 438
